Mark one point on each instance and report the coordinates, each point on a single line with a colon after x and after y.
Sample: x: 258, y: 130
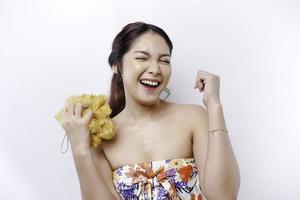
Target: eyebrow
x: 145, y: 52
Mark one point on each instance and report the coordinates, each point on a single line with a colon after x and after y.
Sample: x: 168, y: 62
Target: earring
x: 167, y: 91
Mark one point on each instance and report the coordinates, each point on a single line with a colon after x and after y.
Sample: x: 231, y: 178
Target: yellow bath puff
x: 100, y: 126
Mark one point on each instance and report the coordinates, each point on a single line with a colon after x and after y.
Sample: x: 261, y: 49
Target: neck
x: 138, y: 111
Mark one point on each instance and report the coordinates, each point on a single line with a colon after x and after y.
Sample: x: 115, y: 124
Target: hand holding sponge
x: 100, y: 126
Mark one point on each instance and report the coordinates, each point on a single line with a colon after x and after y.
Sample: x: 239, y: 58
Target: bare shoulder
x: 193, y: 114
x: 191, y: 110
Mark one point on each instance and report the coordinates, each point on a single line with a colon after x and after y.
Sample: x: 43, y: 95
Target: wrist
x: 214, y: 106
x: 81, y: 151
x: 223, y: 131
x: 215, y: 117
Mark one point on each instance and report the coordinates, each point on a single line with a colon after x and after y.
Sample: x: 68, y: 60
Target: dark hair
x: 121, y: 45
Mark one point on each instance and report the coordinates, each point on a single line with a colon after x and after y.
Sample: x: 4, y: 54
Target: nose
x: 154, y: 68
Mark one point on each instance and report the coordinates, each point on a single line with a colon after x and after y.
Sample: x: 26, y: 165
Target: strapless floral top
x: 173, y: 179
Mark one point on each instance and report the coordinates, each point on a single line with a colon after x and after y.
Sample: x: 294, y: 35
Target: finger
x: 198, y: 85
x: 70, y: 109
x: 88, y: 116
x: 200, y: 80
x: 65, y: 110
x: 203, y: 75
x: 205, y: 72
x: 195, y: 85
x: 78, y: 109
x: 85, y: 105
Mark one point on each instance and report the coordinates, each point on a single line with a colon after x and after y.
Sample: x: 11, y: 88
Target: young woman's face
x: 147, y: 62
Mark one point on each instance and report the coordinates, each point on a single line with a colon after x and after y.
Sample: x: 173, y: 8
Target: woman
x: 162, y: 150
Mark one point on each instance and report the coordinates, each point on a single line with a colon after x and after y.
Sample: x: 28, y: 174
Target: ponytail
x: 117, y: 95
x: 120, y: 46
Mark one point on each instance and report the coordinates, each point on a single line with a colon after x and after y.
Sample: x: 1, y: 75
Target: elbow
x: 222, y: 196
x: 229, y: 196
x: 226, y: 192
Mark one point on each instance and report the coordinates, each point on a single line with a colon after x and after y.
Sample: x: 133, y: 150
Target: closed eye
x: 141, y: 58
x: 164, y: 61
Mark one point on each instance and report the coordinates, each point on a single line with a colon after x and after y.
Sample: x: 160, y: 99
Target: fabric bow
x: 149, y: 179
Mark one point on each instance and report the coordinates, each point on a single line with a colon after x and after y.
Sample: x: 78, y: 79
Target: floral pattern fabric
x: 175, y: 179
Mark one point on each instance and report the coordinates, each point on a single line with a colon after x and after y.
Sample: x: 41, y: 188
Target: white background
x: 52, y: 49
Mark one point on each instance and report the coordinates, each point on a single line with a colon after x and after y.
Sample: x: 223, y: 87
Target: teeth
x: 153, y: 83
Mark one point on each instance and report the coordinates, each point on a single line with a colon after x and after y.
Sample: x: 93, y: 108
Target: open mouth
x: 150, y: 84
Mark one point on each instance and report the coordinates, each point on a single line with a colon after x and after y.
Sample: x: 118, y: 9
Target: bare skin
x: 168, y: 135
x: 149, y: 140
x: 150, y: 129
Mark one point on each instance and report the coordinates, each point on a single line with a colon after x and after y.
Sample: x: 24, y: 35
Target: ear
x: 115, y: 69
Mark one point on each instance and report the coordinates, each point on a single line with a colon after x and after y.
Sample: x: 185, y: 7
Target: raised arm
x: 219, y: 172
x: 212, y: 150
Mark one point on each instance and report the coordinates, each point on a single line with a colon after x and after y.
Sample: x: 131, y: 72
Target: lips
x: 149, y: 88
x: 150, y: 79
x: 149, y: 85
